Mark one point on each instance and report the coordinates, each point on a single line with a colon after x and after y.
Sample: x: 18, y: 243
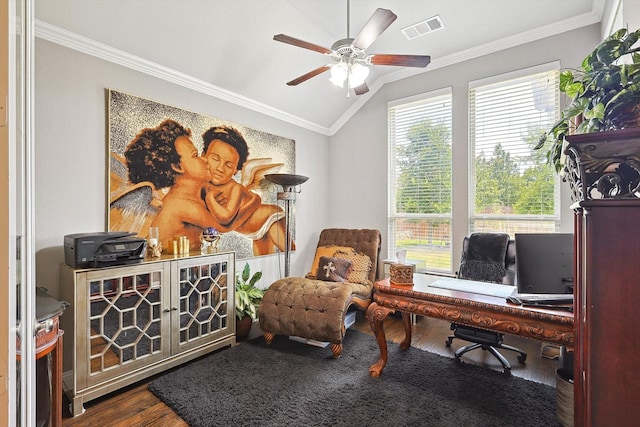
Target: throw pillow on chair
x: 333, y: 269
x: 360, y: 265
x: 329, y: 251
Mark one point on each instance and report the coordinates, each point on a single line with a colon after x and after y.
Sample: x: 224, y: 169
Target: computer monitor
x: 544, y: 263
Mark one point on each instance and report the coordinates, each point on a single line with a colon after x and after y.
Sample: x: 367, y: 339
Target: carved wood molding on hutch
x: 604, y: 165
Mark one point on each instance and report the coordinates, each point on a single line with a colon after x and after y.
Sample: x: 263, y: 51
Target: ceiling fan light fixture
x: 357, y: 75
x: 339, y: 73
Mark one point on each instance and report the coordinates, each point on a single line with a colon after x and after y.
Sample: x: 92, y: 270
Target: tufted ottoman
x: 312, y: 309
x: 315, y: 309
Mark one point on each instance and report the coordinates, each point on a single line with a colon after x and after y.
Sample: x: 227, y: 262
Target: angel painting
x: 169, y: 185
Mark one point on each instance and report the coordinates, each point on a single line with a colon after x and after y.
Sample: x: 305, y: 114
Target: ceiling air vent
x: 423, y: 27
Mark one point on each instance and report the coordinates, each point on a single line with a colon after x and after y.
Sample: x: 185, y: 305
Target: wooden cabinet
x: 607, y: 340
x: 129, y: 322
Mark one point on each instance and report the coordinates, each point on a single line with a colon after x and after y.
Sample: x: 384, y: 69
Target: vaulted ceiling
x: 227, y: 46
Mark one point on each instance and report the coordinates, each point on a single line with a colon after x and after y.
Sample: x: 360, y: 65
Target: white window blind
x: 511, y: 187
x: 420, y: 180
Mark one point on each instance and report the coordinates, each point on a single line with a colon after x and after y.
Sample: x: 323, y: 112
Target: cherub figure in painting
x: 166, y: 157
x: 226, y: 152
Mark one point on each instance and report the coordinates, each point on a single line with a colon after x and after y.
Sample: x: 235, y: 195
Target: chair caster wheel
x: 522, y: 358
x: 448, y: 342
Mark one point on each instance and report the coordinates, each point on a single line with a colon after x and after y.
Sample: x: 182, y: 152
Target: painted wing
x: 132, y: 207
x: 254, y: 170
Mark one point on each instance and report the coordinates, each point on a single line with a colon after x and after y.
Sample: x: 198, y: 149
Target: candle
x: 154, y: 236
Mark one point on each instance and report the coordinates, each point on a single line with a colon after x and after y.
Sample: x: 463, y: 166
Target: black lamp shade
x: 286, y: 179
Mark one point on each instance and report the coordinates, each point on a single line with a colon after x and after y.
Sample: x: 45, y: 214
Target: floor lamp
x: 289, y: 182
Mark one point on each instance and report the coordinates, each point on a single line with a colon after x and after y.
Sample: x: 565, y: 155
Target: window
x: 420, y: 179
x: 511, y: 187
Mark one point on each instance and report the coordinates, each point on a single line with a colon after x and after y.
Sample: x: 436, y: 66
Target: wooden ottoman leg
x: 268, y: 337
x: 336, y: 349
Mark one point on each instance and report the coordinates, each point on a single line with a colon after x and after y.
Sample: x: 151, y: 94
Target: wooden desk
x: 480, y: 311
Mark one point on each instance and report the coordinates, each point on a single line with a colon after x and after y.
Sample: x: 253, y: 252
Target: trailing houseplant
x: 604, y: 93
x: 247, y: 298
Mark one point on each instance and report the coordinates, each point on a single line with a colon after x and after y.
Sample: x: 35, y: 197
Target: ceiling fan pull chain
x: 348, y: 79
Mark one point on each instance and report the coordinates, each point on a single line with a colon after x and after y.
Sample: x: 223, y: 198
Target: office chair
x: 487, y: 257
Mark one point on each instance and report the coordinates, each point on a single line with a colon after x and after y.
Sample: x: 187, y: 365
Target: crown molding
x: 102, y: 51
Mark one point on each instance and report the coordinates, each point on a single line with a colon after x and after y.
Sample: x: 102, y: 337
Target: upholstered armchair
x: 314, y: 307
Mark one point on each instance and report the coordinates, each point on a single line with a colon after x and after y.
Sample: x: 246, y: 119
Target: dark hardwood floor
x: 136, y: 406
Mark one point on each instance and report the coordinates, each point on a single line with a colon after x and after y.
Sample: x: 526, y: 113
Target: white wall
x: 358, y: 152
x: 631, y: 14
x: 71, y: 148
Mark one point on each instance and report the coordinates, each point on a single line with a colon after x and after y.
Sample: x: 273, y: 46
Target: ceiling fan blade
x: 379, y: 21
x: 305, y: 77
x: 300, y: 43
x: 362, y: 89
x: 399, y: 60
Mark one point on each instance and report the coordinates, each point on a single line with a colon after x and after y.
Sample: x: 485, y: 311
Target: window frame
x: 511, y: 222
x: 428, y: 99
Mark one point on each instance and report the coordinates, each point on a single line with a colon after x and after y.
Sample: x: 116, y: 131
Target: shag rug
x: 293, y: 384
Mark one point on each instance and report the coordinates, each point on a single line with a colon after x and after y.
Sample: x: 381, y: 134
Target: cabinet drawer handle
x: 46, y: 326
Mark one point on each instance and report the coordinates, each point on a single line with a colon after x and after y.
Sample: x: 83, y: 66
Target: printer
x: 103, y: 249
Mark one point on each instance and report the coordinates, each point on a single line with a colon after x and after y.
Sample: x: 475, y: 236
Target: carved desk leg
x: 376, y: 315
x: 406, y: 321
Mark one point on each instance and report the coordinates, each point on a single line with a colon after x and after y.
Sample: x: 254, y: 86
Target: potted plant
x: 604, y: 93
x: 248, y: 298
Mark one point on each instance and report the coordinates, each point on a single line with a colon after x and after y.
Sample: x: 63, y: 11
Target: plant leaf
x: 630, y: 40
x: 541, y: 141
x: 246, y: 272
x: 574, y: 89
x: 617, y: 35
x: 609, y: 51
x: 597, y: 112
x: 566, y: 77
x: 256, y: 276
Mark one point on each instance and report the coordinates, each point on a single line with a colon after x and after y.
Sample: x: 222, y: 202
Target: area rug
x: 293, y: 384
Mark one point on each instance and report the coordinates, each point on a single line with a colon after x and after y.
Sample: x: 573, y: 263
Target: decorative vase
x: 604, y: 165
x: 243, y: 326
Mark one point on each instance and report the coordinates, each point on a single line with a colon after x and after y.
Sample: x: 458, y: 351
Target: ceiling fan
x: 349, y: 54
